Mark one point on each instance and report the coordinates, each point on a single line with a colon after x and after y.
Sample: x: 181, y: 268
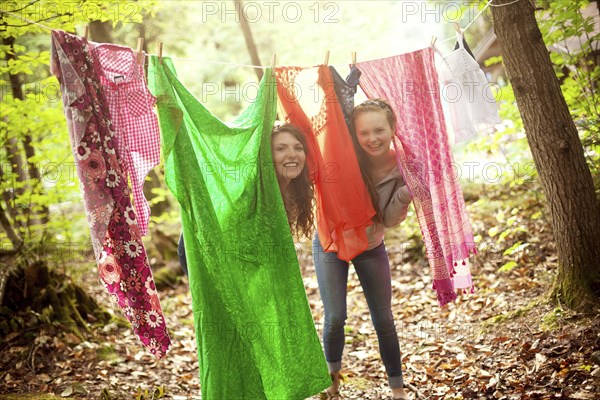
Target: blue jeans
x: 181, y: 254
x: 373, y: 270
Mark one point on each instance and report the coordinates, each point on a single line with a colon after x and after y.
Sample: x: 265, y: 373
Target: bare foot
x: 334, y: 390
x: 399, y: 393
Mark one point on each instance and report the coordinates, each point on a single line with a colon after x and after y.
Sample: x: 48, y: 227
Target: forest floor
x: 504, y: 341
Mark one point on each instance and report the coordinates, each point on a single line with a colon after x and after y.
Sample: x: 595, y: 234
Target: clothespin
x: 159, y: 46
x: 353, y: 58
x: 457, y: 27
x: 140, y: 48
x: 273, y: 61
x: 327, y: 57
x: 86, y: 31
x: 433, y: 40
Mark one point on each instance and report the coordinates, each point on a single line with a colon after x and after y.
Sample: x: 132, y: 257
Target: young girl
x: 374, y: 123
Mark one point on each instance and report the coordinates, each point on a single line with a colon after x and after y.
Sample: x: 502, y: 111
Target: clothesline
x: 488, y: 4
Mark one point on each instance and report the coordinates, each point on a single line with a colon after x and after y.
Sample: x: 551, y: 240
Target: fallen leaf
x: 67, y: 392
x: 540, y: 360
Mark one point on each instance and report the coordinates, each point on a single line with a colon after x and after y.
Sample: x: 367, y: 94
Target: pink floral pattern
x: 122, y: 262
x: 409, y: 82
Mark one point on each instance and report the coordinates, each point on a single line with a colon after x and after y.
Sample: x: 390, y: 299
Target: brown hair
x: 299, y: 202
x: 361, y: 155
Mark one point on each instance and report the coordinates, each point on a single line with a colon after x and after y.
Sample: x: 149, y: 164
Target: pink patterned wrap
x: 410, y: 83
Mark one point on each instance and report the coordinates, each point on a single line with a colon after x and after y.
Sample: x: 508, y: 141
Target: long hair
x: 300, y: 192
x: 361, y: 155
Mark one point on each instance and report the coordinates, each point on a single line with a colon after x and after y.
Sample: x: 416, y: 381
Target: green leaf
x: 504, y: 234
x: 517, y: 247
x: 67, y: 392
x: 159, y: 392
x: 492, y: 60
x: 509, y: 266
x: 536, y: 215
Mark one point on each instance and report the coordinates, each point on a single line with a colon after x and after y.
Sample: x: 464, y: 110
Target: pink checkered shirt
x: 131, y: 106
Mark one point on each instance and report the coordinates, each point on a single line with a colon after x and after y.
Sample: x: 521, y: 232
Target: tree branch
x: 16, y: 241
x: 22, y: 8
x: 8, y: 198
x: 34, y: 22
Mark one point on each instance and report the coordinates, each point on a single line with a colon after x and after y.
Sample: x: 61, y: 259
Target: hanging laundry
x: 471, y: 106
x: 409, y: 83
x: 120, y: 253
x: 466, y: 46
x: 345, y: 89
x: 255, y: 334
x: 309, y: 101
x: 130, y: 103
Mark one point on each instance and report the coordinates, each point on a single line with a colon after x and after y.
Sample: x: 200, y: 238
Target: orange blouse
x: 344, y: 207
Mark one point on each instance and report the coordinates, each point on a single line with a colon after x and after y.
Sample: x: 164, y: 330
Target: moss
x: 107, y: 353
x: 46, y: 296
x: 166, y: 277
x: 120, y: 321
x: 550, y: 319
x: 576, y: 295
x: 29, y: 396
x: 105, y: 350
x: 519, y: 312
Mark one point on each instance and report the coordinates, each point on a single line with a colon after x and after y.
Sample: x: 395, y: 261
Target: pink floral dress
x: 120, y: 253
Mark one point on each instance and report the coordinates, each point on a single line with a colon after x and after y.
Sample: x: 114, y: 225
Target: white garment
x: 467, y: 99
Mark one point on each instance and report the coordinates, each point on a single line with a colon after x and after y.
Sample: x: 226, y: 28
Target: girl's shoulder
x: 391, y: 174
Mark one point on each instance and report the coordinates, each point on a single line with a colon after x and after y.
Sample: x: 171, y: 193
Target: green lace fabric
x: 255, y: 334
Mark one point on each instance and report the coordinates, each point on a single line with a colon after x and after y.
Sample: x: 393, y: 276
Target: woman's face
x: 288, y: 155
x: 373, y: 132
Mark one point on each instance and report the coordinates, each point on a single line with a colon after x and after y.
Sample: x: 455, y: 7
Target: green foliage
x: 47, y: 209
x: 551, y: 319
x: 569, y: 32
x: 509, y: 266
x: 31, y: 396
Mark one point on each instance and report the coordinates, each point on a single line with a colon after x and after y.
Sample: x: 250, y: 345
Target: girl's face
x: 373, y: 132
x: 288, y: 155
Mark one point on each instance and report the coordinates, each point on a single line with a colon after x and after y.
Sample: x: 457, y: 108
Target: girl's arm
x: 396, y: 210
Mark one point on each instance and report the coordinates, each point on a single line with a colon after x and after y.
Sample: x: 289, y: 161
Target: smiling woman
x: 289, y: 158
x: 289, y: 151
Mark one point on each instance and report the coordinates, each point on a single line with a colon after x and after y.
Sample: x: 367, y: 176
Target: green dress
x: 255, y: 334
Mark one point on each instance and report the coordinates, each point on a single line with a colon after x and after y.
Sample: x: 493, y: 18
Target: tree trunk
x: 101, y: 32
x: 14, y: 238
x: 557, y: 153
x: 15, y: 165
x: 239, y: 8
x: 34, y: 172
x: 12, y: 147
